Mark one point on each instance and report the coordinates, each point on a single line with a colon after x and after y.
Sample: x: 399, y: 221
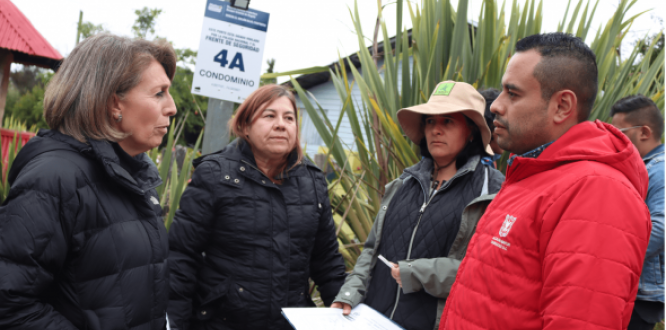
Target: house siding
x: 328, y: 98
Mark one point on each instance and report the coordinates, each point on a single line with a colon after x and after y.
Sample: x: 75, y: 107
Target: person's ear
x: 566, y: 106
x: 116, y: 107
x: 645, y: 133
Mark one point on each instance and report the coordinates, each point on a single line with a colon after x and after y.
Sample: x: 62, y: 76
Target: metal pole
x: 78, y: 30
x: 216, y: 134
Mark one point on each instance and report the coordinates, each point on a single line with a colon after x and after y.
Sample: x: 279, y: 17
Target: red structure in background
x: 19, y: 36
x: 20, y: 43
x: 7, y: 138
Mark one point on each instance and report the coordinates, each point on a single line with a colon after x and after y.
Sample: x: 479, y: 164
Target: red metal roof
x: 18, y: 34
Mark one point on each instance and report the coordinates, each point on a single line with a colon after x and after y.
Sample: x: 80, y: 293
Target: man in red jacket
x: 562, y: 244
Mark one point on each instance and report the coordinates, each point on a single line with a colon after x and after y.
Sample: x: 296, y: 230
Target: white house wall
x: 328, y: 98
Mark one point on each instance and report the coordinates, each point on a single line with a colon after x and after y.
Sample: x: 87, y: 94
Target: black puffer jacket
x: 243, y: 247
x: 82, y: 244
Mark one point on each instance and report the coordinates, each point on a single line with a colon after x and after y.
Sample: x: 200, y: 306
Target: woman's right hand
x: 346, y: 308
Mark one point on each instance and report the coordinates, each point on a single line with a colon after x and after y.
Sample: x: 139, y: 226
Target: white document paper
x: 362, y: 317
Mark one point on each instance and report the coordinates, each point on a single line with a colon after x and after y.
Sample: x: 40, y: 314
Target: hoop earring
x: 120, y: 117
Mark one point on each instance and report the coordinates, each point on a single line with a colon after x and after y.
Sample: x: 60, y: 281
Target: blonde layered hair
x: 78, y: 99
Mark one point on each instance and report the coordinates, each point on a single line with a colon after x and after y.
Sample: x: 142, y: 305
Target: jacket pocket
x: 225, y: 302
x: 209, y: 300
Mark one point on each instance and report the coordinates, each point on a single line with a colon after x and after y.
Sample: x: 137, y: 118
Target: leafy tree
x: 271, y: 66
x: 186, y: 56
x: 192, y: 106
x: 28, y: 106
x: 655, y: 41
x: 89, y: 29
x: 12, y: 96
x: 645, y: 43
x: 145, y: 22
x: 25, y: 78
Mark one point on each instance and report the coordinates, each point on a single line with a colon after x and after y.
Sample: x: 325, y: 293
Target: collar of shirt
x: 659, y: 150
x: 534, y: 153
x: 490, y: 160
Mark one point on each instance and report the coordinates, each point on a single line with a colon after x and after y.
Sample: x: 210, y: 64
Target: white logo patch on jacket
x: 504, y: 230
x: 506, y: 226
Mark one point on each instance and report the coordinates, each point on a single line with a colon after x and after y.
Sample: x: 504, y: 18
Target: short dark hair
x: 490, y: 95
x: 640, y: 110
x: 567, y: 63
x: 471, y: 149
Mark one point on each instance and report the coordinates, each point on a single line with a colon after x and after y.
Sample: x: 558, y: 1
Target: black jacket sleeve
x: 188, y: 237
x: 327, y: 268
x: 33, y: 249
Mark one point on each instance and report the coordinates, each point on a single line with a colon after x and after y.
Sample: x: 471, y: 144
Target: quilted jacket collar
x: 240, y: 151
x: 144, y: 174
x: 422, y: 172
x: 423, y: 169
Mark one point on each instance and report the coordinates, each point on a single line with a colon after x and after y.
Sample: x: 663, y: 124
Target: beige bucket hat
x: 448, y: 97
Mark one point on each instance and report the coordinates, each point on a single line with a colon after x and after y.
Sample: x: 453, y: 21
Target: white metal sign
x: 230, y: 52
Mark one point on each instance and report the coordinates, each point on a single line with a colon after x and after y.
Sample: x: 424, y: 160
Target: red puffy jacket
x: 562, y: 244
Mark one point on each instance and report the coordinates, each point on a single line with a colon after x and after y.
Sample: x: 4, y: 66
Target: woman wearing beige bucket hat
x: 429, y: 214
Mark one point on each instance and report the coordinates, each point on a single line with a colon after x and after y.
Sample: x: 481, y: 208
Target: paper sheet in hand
x: 362, y: 317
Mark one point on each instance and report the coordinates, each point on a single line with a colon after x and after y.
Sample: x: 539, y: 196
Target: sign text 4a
x: 236, y: 62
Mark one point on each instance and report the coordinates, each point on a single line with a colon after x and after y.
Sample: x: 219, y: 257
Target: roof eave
x: 42, y: 62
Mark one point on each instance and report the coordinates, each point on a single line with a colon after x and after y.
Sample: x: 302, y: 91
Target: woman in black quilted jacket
x: 82, y: 242
x: 254, y: 224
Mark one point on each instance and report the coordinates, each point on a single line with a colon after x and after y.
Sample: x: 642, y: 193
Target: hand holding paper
x: 362, y: 317
x: 346, y: 308
x: 395, y: 269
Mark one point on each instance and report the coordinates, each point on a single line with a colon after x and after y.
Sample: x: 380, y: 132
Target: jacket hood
x: 37, y: 145
x: 588, y: 141
x: 144, y: 174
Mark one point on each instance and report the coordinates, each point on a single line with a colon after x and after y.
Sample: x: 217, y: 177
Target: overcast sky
x: 301, y: 33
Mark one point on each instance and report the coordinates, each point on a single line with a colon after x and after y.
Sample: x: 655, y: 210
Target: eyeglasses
x: 627, y: 128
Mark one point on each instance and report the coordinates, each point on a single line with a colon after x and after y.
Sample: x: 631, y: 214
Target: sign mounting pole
x: 228, y: 65
x: 216, y: 135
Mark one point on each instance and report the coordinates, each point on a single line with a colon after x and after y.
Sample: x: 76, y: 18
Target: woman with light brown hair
x: 82, y: 242
x: 254, y: 224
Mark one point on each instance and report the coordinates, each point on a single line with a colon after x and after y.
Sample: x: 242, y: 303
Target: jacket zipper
x: 411, y: 241
x: 416, y: 228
